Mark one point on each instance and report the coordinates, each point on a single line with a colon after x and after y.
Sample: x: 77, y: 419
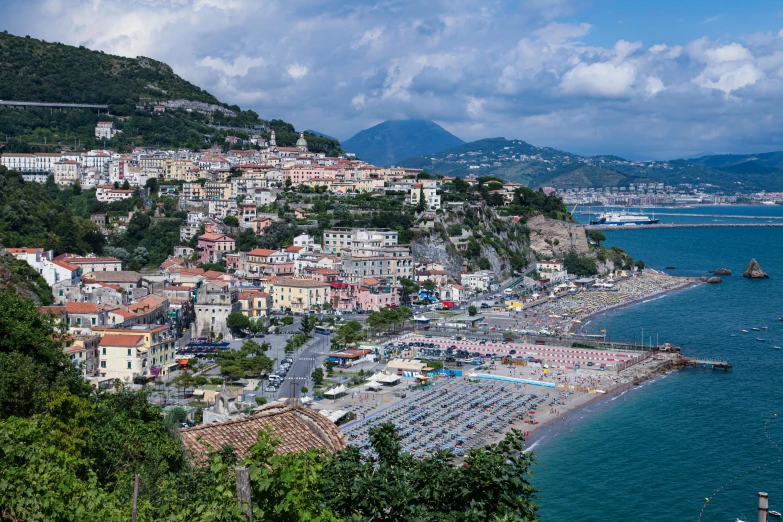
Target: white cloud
x: 603, y: 79
x: 297, y: 71
x: 623, y: 49
x: 557, y: 33
x: 729, y: 79
x: 371, y: 38
x: 728, y: 53
x: 653, y: 85
x: 238, y: 67
x: 710, y: 19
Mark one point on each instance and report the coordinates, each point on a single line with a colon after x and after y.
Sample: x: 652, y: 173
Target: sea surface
x: 659, y: 450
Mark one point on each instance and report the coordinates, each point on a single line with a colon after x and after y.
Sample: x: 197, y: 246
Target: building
x: 212, y: 247
x: 126, y: 279
x: 336, y: 240
x: 481, y: 281
x: 84, y: 352
x: 83, y: 316
x: 255, y: 303
x: 297, y: 430
x: 94, y: 263
x: 382, y: 262
x: 301, y: 295
x: 214, y: 304
x: 123, y: 357
x: 108, y: 194
x: 105, y: 130
x: 157, y: 341
x: 67, y: 172
x: 429, y: 191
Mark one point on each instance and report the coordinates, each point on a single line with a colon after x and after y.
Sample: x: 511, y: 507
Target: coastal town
x: 517, y: 331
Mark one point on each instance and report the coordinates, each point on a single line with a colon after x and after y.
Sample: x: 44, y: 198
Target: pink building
x: 212, y: 247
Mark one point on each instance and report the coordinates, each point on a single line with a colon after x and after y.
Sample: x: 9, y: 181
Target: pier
x: 681, y: 225
x: 716, y: 365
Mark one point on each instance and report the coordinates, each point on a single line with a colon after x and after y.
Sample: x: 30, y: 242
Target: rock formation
x: 754, y: 271
x: 713, y: 280
x: 721, y: 271
x: 553, y: 238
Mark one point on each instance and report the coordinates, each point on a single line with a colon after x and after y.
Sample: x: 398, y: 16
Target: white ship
x: 623, y: 218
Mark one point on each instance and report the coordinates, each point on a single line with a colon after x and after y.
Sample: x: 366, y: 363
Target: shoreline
x: 685, y: 285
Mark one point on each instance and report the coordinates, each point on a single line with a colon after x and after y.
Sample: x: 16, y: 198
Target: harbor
x: 683, y: 225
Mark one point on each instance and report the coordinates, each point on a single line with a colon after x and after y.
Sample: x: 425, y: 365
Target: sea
x: 696, y: 444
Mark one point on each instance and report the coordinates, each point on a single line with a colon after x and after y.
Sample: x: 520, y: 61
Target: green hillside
x: 35, y: 70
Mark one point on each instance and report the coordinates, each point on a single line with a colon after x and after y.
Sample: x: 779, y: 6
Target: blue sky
x: 646, y: 79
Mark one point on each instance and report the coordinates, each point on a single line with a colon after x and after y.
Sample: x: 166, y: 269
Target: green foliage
x: 248, y: 361
x: 287, y: 320
x: 33, y: 217
x: 579, y: 265
x: 318, y: 377
x: 350, y: 333
x: 472, y: 310
x: 261, y: 401
x: 597, y: 236
x: 231, y: 221
x: 19, y: 276
x: 388, y: 318
x: 237, y: 320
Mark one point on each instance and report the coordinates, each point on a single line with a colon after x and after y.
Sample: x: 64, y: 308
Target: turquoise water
x: 708, y: 214
x: 656, y: 452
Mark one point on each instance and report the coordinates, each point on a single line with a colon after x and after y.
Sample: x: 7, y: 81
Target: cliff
x: 553, y: 238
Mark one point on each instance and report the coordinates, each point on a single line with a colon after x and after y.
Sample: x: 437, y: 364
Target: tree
x: 303, y: 389
x: 407, y: 287
x: 349, y: 333
x: 151, y: 184
x: 472, y: 310
x: 261, y: 401
x: 318, y: 377
x: 435, y: 365
x: 125, y: 185
x: 231, y: 221
x: 237, y: 320
x: 307, y: 325
x: 184, y: 381
x: 422, y: 204
x: 287, y: 320
x: 200, y: 380
x: 597, y: 236
x: 430, y: 286
x: 329, y: 367
x: 579, y: 265
x: 641, y: 265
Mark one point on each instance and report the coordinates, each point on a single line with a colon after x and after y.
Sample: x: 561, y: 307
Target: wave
x: 618, y: 396
x: 536, y: 443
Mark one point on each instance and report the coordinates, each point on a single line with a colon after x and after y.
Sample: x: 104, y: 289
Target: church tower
x: 272, y: 142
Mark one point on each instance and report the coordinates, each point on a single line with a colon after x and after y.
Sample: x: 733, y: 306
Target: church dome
x: 301, y: 142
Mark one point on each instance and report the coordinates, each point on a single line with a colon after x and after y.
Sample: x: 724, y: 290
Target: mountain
x: 320, y: 134
x: 35, y: 70
x: 391, y: 141
x: 516, y: 160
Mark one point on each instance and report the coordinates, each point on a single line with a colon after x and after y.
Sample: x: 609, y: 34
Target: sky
x: 641, y: 79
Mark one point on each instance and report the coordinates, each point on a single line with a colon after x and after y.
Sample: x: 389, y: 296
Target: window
x: 129, y: 352
x: 93, y: 321
x: 103, y: 351
x: 103, y: 364
x: 61, y: 292
x: 129, y: 365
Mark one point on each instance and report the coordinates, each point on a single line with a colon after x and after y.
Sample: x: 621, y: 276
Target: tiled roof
x: 261, y: 252
x: 121, y: 340
x: 299, y: 429
x: 82, y: 308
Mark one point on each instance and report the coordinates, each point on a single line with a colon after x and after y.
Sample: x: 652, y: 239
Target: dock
x: 714, y: 364
x: 681, y: 225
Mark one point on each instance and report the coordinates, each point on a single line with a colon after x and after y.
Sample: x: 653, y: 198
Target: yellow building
x: 193, y: 191
x: 255, y: 303
x: 158, y: 341
x: 301, y: 295
x: 180, y: 170
x: 217, y: 190
x: 124, y: 357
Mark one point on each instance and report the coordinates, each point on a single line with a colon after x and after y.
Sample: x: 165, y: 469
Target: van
x: 508, y: 291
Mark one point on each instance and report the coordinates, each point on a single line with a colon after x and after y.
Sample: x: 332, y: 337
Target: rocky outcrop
x: 754, y: 271
x: 434, y: 249
x: 713, y: 280
x: 553, y: 238
x: 720, y: 271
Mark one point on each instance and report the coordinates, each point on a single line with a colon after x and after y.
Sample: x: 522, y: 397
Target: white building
x: 429, y: 190
x: 108, y: 194
x: 481, y: 281
x: 105, y: 130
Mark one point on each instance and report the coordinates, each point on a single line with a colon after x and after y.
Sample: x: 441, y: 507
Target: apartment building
x: 380, y: 262
x: 335, y: 240
x: 300, y: 295
x: 154, y: 345
x: 215, y: 302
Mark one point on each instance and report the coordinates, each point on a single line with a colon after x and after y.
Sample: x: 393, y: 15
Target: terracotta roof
x: 253, y: 294
x: 293, y: 248
x: 24, y: 250
x: 211, y: 236
x: 299, y: 429
x: 370, y: 281
x: 262, y: 252
x: 82, y: 308
x: 53, y: 310
x: 67, y: 266
x: 121, y: 340
x: 125, y: 314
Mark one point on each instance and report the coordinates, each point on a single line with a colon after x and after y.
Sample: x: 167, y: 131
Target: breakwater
x: 683, y: 225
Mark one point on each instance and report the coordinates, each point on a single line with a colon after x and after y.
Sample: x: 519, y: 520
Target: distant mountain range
x: 516, y: 160
x: 391, y: 141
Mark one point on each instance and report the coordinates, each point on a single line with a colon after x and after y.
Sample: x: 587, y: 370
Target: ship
x: 623, y: 218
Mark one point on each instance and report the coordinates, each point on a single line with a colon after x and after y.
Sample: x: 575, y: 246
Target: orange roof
x: 128, y: 341
x: 211, y: 236
x: 67, y: 266
x: 261, y: 252
x: 82, y: 308
x: 294, y: 248
x: 126, y: 314
x: 252, y: 294
x: 23, y: 250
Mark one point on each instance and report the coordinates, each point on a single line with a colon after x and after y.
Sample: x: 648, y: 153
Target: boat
x: 623, y: 218
x: 774, y: 513
x: 760, y: 339
x: 764, y: 328
x: 776, y: 347
x: 744, y: 331
x: 756, y: 329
